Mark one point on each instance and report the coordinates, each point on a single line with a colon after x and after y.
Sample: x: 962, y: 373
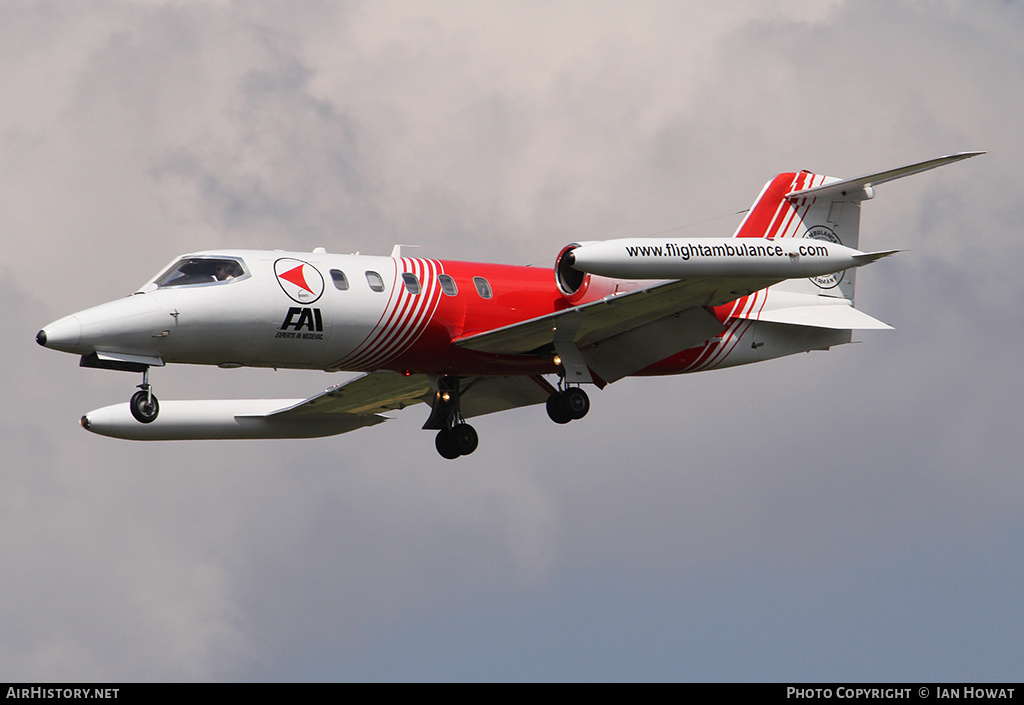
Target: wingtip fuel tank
x: 221, y: 419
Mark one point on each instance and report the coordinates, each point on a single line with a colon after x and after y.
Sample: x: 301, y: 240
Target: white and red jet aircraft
x: 469, y: 339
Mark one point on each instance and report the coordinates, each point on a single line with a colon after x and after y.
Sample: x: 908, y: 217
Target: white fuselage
x: 248, y: 321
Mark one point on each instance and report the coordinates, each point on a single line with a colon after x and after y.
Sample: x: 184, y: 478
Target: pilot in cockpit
x: 226, y: 270
x: 195, y: 270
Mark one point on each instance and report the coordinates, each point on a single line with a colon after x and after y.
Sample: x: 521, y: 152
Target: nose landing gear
x: 143, y: 404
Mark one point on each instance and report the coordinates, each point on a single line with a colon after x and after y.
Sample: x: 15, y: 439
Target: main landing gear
x: 460, y: 439
x: 143, y: 404
x: 455, y: 437
x: 568, y: 404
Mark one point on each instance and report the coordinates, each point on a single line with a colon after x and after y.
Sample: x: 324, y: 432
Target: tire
x: 445, y: 444
x: 144, y: 407
x: 464, y: 438
x: 576, y: 402
x: 557, y: 411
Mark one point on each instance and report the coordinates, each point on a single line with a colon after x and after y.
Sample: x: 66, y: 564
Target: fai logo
x: 825, y: 281
x: 302, y: 323
x: 303, y: 319
x: 300, y: 280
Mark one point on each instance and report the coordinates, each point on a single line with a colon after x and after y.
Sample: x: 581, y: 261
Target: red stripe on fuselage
x: 417, y: 313
x: 392, y: 329
x: 349, y: 361
x: 418, y: 337
x: 405, y: 315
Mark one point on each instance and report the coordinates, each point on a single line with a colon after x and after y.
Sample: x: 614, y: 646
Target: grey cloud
x: 800, y: 519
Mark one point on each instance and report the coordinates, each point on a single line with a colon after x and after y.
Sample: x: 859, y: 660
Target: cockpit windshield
x: 190, y: 271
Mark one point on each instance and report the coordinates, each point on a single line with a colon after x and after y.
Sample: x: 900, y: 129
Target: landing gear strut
x: 455, y: 437
x: 144, y: 405
x: 568, y: 404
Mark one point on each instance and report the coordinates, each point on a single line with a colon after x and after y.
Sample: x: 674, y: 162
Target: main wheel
x: 557, y: 410
x: 464, y: 438
x: 445, y: 444
x: 576, y: 402
x: 144, y: 407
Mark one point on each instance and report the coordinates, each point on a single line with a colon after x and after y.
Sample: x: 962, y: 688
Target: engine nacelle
x: 578, y: 286
x: 751, y: 257
x: 571, y: 282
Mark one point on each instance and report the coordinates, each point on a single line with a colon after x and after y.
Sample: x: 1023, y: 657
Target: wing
x: 354, y: 404
x: 486, y: 395
x: 623, y: 333
x: 376, y: 393
x: 365, y: 395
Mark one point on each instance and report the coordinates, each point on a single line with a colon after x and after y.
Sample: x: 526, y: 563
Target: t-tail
x: 811, y: 313
x: 812, y: 206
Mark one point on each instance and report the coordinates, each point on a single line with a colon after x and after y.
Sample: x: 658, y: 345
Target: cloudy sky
x: 851, y: 515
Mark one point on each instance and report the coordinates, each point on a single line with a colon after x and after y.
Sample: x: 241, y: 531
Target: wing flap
x: 374, y: 393
x: 487, y: 395
x: 626, y: 353
x: 368, y: 394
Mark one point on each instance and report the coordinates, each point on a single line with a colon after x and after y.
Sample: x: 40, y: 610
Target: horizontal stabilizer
x: 859, y: 188
x: 869, y: 257
x: 835, y: 317
x: 813, y: 311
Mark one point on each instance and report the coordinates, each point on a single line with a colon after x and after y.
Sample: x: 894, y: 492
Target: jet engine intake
x: 571, y: 282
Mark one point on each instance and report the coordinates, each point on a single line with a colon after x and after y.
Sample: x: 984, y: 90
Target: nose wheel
x: 143, y: 404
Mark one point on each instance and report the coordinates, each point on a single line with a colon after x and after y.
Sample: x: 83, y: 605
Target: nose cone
x: 128, y: 325
x: 64, y: 334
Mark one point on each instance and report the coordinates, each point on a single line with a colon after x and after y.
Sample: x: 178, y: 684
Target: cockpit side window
x: 190, y: 271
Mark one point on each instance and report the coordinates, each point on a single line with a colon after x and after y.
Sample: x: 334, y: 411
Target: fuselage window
x: 375, y: 282
x: 201, y: 270
x: 340, y: 280
x: 482, y: 287
x: 447, y: 285
x: 412, y: 284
